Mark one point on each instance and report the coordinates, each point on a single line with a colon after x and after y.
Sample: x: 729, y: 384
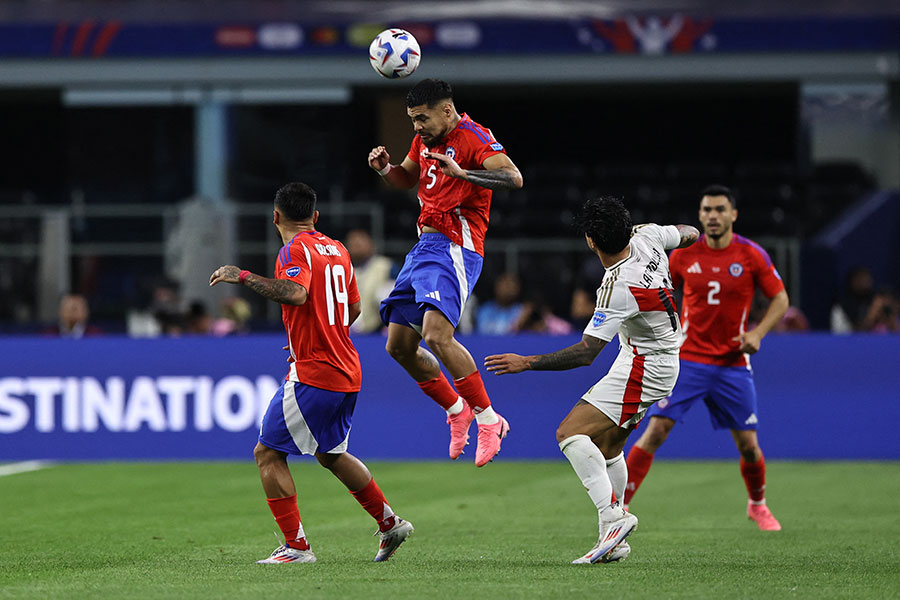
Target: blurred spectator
x: 501, y: 315
x: 198, y: 321
x: 883, y: 315
x: 161, y: 315
x: 852, y: 308
x: 793, y: 320
x: 584, y: 298
x: 374, y: 278
x: 73, y: 318
x: 537, y: 317
x: 235, y: 314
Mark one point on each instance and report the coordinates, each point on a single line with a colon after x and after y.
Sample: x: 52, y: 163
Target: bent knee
x: 400, y: 351
x: 657, y: 432
x: 264, y: 455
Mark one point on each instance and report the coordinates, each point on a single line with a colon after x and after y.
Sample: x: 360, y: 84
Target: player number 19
x: 714, y: 287
x: 336, y: 292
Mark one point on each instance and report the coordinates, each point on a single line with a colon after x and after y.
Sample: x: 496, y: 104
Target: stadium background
x: 143, y: 147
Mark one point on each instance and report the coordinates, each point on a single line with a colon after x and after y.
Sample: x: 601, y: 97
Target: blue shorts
x: 302, y: 419
x: 437, y: 274
x: 728, y: 393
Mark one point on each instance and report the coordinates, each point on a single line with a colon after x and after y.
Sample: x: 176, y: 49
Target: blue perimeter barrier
x: 820, y: 397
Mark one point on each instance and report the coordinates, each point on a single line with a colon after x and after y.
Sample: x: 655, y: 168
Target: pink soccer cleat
x: 763, y: 517
x: 459, y: 430
x: 489, y: 438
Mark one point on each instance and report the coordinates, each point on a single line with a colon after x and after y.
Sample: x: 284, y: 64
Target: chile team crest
x: 451, y: 152
x: 736, y: 269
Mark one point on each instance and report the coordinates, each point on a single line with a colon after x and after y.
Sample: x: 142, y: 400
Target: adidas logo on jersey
x: 751, y: 420
x: 435, y: 295
x: 694, y: 268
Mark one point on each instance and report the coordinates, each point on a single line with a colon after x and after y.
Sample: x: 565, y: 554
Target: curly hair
x: 607, y: 222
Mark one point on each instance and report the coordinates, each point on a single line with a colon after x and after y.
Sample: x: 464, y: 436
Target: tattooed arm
x: 499, y: 171
x: 279, y: 290
x: 689, y: 235
x: 578, y: 355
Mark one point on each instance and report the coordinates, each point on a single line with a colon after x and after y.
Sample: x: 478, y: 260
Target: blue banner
x: 649, y: 35
x: 820, y: 396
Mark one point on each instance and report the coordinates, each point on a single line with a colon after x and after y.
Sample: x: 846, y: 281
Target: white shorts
x: 632, y: 385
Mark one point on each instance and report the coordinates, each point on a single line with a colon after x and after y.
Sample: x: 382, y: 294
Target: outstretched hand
x: 449, y: 166
x: 226, y: 274
x: 502, y: 364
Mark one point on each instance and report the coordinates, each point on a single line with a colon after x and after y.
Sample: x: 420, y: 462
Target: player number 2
x: 714, y: 287
x: 336, y: 293
x: 431, y: 174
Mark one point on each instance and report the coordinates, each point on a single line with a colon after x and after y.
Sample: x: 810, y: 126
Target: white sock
x: 617, y: 470
x: 487, y: 416
x: 590, y: 466
x: 457, y: 407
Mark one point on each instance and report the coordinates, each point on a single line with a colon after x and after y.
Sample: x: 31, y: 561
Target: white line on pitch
x: 23, y: 467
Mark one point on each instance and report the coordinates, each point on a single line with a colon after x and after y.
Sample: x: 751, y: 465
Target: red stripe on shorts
x: 631, y: 402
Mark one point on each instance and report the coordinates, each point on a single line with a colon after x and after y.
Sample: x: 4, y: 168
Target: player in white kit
x: 634, y: 301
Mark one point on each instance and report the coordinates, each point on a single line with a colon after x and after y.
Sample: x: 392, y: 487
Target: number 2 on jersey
x: 714, y: 287
x: 336, y: 293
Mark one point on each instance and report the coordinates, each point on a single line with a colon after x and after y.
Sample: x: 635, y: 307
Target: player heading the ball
x: 457, y: 164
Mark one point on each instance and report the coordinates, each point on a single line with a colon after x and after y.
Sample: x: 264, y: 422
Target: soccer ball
x: 394, y: 53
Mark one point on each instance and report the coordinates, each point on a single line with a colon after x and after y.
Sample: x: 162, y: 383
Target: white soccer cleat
x: 618, y: 553
x: 286, y: 554
x: 612, y: 532
x: 392, y: 538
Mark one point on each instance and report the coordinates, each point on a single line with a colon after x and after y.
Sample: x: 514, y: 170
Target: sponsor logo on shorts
x: 435, y: 295
x: 751, y: 420
x: 598, y: 319
x: 451, y: 152
x: 663, y: 403
x: 497, y: 146
x: 736, y: 269
x: 292, y: 271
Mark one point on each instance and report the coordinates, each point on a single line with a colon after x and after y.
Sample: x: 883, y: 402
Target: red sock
x: 440, y: 390
x: 287, y: 515
x: 754, y: 475
x: 638, y: 462
x: 471, y: 387
x: 371, y: 499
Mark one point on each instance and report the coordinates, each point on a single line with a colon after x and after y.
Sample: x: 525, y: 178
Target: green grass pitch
x: 194, y: 530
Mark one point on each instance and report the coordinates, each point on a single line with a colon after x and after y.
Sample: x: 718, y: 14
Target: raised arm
x: 403, y: 176
x: 499, y: 172
x: 278, y: 290
x: 689, y: 235
x: 581, y: 354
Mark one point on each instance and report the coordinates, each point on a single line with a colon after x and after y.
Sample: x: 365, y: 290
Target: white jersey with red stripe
x: 635, y: 301
x: 635, y: 297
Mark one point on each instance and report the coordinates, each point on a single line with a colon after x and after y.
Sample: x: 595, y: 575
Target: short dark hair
x: 296, y: 201
x: 720, y: 190
x: 428, y: 92
x: 606, y: 221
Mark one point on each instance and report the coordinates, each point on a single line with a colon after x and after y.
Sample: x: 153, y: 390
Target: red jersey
x: 318, y: 330
x: 719, y: 285
x: 458, y: 209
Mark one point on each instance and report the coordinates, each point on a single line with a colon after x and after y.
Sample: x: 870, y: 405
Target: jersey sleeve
x: 415, y: 150
x: 614, y: 304
x: 667, y: 235
x: 294, y: 264
x: 765, y: 275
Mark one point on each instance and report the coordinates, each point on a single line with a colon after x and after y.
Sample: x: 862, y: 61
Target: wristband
x: 243, y: 276
x: 385, y: 170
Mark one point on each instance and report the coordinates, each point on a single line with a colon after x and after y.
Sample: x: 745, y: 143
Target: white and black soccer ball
x: 394, y: 53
